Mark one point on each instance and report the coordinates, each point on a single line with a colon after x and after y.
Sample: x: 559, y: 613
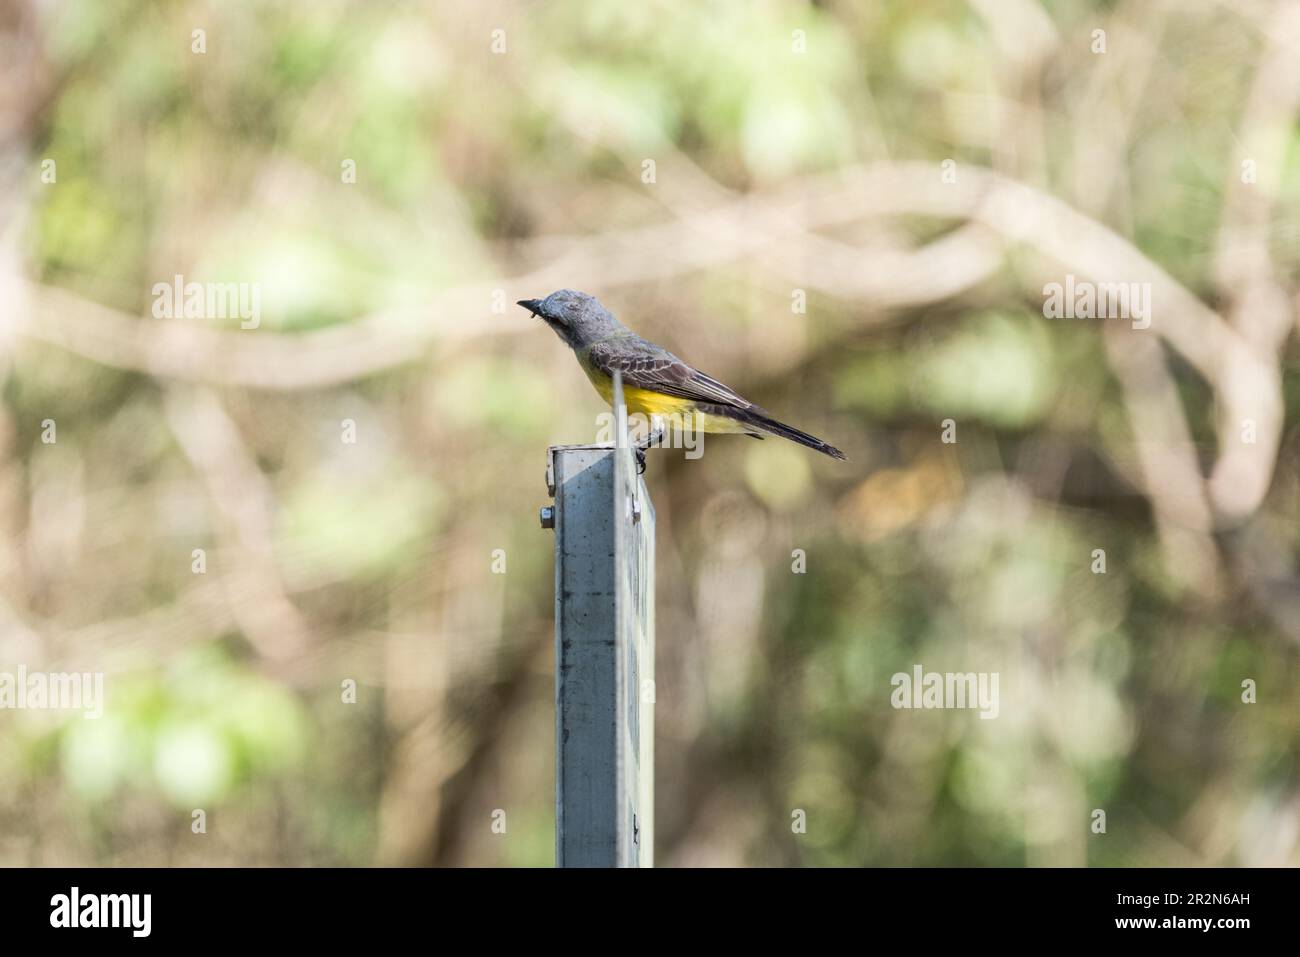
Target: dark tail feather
x: 772, y: 426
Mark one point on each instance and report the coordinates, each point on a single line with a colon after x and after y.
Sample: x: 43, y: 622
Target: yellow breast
x: 648, y: 403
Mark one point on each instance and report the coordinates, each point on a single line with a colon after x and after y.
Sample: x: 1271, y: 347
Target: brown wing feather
x: 647, y: 366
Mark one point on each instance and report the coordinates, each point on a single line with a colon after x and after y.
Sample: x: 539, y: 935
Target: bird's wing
x: 647, y: 366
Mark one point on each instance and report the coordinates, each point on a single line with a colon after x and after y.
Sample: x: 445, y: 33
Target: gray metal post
x: 604, y: 653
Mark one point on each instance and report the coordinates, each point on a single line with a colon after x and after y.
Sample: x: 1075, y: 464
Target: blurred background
x: 846, y: 210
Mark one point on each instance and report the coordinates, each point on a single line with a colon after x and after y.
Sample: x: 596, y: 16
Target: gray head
x: 577, y: 318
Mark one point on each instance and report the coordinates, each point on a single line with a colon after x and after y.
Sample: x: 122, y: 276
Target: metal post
x: 604, y: 653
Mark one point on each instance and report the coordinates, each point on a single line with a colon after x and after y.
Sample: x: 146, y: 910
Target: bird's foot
x: 654, y: 438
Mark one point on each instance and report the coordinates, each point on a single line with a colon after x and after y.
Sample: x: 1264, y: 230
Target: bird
x: 655, y: 382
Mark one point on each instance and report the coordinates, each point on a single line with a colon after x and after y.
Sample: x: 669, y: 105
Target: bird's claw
x: 640, y: 448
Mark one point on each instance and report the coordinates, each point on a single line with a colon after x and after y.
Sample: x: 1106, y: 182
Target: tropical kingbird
x: 655, y: 382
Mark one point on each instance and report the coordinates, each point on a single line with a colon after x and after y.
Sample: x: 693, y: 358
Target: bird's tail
x: 766, y: 423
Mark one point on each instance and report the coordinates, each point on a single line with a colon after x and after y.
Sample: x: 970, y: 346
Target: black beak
x: 532, y: 305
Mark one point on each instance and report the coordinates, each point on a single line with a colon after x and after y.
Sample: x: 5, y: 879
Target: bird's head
x: 577, y: 318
